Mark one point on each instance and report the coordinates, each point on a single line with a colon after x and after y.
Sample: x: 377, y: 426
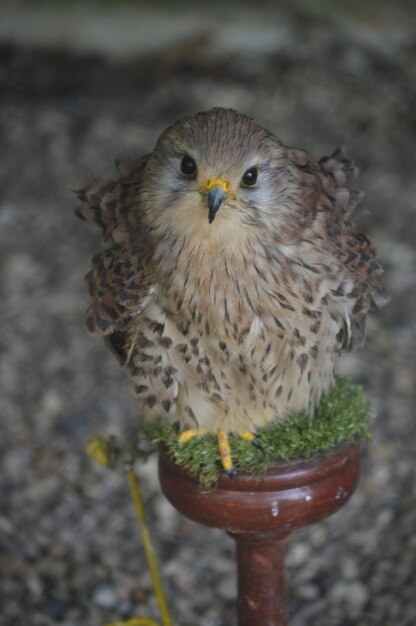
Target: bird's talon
x: 250, y: 438
x: 231, y: 473
x: 187, y: 435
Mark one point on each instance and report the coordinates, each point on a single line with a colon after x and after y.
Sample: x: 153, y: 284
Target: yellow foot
x: 223, y: 445
x: 249, y: 437
x: 190, y: 433
x: 225, y: 451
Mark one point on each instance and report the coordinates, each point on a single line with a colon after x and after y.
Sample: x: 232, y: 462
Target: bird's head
x: 218, y: 175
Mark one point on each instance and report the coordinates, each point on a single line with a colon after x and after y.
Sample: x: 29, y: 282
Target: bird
x: 230, y: 277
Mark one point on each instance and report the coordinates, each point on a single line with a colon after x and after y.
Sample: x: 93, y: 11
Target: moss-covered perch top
x: 342, y: 415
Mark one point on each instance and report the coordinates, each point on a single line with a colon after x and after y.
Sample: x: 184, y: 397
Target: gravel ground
x: 68, y: 544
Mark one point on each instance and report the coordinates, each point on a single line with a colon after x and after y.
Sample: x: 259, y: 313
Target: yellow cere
x: 212, y: 182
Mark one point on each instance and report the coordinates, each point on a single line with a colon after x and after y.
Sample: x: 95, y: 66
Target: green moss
x: 342, y: 415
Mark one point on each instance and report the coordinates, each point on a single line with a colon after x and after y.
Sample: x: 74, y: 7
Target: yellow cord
x: 135, y: 621
x: 148, y: 549
x: 99, y: 450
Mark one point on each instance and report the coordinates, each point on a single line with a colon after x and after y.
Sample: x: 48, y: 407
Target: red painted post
x: 261, y: 580
x: 259, y: 514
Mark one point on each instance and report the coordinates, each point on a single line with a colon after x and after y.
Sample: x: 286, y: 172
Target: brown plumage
x: 229, y: 300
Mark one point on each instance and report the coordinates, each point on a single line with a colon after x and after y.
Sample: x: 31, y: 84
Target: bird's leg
x: 249, y: 437
x: 223, y: 444
x: 189, y: 434
x: 225, y: 452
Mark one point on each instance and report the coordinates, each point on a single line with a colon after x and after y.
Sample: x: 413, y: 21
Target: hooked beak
x: 215, y: 197
x: 216, y: 192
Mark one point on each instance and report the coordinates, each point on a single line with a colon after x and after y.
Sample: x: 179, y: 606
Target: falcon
x: 230, y: 277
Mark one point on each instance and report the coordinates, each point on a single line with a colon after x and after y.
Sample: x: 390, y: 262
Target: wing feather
x: 328, y: 186
x: 354, y: 250
x: 119, y: 278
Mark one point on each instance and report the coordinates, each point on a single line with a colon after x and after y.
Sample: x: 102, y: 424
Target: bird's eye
x: 250, y: 177
x: 188, y: 166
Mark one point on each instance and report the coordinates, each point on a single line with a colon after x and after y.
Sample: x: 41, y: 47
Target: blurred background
x: 82, y: 84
